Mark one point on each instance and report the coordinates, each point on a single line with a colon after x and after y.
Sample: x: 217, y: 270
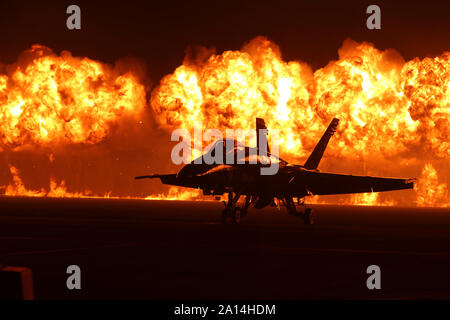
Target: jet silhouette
x: 289, y: 182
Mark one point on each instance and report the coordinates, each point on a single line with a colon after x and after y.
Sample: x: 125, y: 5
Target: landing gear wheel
x: 225, y: 216
x: 236, y: 215
x: 308, y: 216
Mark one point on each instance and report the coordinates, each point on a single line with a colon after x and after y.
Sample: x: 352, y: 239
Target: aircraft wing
x: 321, y: 183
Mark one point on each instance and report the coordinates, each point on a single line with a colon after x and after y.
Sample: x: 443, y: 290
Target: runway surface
x: 180, y: 250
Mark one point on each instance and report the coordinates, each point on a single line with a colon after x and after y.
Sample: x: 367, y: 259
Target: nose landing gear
x: 231, y: 213
x: 307, y: 215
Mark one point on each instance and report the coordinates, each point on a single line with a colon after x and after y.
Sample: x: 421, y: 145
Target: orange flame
x: 430, y: 192
x: 55, y: 191
x: 56, y: 99
x: 176, y: 193
x: 385, y: 105
x: 59, y: 190
x: 391, y: 111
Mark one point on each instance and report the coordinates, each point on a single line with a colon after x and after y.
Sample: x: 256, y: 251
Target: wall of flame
x: 394, y: 117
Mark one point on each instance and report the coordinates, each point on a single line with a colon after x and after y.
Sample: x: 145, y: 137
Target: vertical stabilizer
x: 316, y: 155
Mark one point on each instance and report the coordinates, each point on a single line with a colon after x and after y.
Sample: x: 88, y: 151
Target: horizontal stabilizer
x: 315, y: 157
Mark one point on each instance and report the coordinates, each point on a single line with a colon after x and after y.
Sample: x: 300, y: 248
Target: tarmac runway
x: 141, y: 249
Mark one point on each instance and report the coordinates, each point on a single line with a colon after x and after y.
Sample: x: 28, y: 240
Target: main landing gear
x: 232, y: 213
x: 307, y: 215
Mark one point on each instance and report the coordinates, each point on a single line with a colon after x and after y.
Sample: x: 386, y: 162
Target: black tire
x: 236, y: 215
x: 309, y: 217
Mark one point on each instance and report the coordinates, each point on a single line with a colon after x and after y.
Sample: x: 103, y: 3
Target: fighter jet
x: 291, y: 181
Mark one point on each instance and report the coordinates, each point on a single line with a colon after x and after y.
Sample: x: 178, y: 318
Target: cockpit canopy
x: 229, y: 151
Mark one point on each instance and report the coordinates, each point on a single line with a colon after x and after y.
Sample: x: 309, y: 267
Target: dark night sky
x: 159, y: 32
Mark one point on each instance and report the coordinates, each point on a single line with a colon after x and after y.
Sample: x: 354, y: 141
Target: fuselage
x: 229, y: 167
x: 243, y: 177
